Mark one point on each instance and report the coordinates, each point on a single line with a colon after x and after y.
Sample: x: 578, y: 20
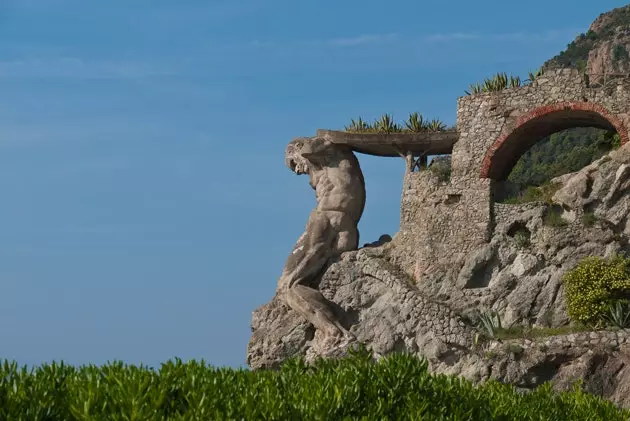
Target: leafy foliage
x: 522, y: 238
x: 441, y: 170
x: 561, y: 153
x: 542, y: 193
x: 620, y: 53
x: 488, y: 324
x: 619, y: 314
x: 576, y: 54
x: 398, y: 387
x: 386, y: 124
x: 593, y: 286
x: 589, y: 219
x: 553, y: 218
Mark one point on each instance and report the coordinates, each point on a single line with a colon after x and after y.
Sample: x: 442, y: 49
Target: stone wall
x: 578, y: 340
x: 442, y: 222
x: 485, y: 121
x: 505, y: 213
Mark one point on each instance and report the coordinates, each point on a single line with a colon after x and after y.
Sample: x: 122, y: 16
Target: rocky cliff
x: 603, y: 49
x: 390, y: 312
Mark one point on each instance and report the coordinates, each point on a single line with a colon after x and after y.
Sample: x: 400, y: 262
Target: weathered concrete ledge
x: 395, y: 144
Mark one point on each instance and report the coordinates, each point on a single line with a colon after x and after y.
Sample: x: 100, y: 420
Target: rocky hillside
x: 603, y: 49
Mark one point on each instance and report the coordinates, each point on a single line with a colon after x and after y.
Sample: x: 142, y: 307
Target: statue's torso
x: 341, y: 188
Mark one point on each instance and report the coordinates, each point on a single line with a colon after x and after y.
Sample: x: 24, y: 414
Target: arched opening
x: 540, y: 123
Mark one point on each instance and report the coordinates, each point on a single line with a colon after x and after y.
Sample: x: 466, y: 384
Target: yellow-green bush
x: 592, y: 286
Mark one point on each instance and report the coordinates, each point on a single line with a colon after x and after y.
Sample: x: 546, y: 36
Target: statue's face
x: 293, y: 157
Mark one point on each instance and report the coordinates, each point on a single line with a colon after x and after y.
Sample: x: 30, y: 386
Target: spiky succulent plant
x: 436, y: 125
x: 386, y: 124
x: 415, y: 123
x: 358, y: 126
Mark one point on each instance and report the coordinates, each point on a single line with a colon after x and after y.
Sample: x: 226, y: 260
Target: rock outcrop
x: 603, y: 49
x: 518, y: 274
x: 461, y: 251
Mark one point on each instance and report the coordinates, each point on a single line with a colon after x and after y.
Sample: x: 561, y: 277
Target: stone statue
x: 336, y: 177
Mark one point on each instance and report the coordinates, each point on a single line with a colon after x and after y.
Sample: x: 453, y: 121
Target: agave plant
x: 535, y: 75
x: 497, y: 83
x: 475, y: 88
x: 386, y: 124
x: 515, y: 82
x: 358, y: 126
x: 489, y: 323
x: 416, y: 123
x: 435, y: 125
x: 619, y: 315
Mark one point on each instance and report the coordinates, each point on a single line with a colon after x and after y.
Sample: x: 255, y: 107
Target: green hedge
x: 396, y: 388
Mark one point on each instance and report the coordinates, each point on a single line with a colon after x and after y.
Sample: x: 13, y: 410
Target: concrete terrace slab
x: 393, y: 144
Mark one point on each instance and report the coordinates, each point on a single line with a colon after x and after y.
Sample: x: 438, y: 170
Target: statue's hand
x: 317, y: 146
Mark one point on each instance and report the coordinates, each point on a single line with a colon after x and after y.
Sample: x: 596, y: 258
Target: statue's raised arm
x: 331, y: 229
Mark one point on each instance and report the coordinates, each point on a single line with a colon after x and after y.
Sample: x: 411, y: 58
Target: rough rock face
x: 381, y: 306
x: 604, y: 49
x: 518, y: 273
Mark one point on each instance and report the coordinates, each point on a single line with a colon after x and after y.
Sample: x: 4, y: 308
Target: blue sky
x: 146, y: 210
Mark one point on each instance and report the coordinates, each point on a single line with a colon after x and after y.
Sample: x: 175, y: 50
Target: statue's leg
x: 304, y: 264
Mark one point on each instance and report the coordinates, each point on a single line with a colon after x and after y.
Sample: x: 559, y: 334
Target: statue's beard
x: 298, y: 166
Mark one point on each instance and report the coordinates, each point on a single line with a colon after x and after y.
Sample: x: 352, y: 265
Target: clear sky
x: 145, y: 207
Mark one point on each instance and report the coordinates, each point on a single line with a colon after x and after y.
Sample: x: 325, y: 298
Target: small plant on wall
x: 415, y: 123
x: 358, y: 126
x: 386, y: 124
x: 501, y: 81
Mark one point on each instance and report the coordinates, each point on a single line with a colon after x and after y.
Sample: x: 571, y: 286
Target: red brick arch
x: 542, y: 122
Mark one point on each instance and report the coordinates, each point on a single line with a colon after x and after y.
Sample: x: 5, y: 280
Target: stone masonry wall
x: 581, y: 340
x: 486, y: 120
x: 505, y: 213
x: 441, y: 222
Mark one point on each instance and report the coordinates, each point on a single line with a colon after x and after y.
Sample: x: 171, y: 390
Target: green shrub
x: 542, y: 193
x: 398, y: 387
x: 441, y: 171
x: 514, y: 349
x: 553, y: 218
x: 589, y: 219
x: 593, y: 286
x: 522, y: 238
x: 620, y: 53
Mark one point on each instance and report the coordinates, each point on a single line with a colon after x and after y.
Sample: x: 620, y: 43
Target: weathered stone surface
x: 381, y: 305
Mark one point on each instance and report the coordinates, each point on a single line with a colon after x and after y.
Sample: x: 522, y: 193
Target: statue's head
x: 303, y: 153
x: 293, y: 156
